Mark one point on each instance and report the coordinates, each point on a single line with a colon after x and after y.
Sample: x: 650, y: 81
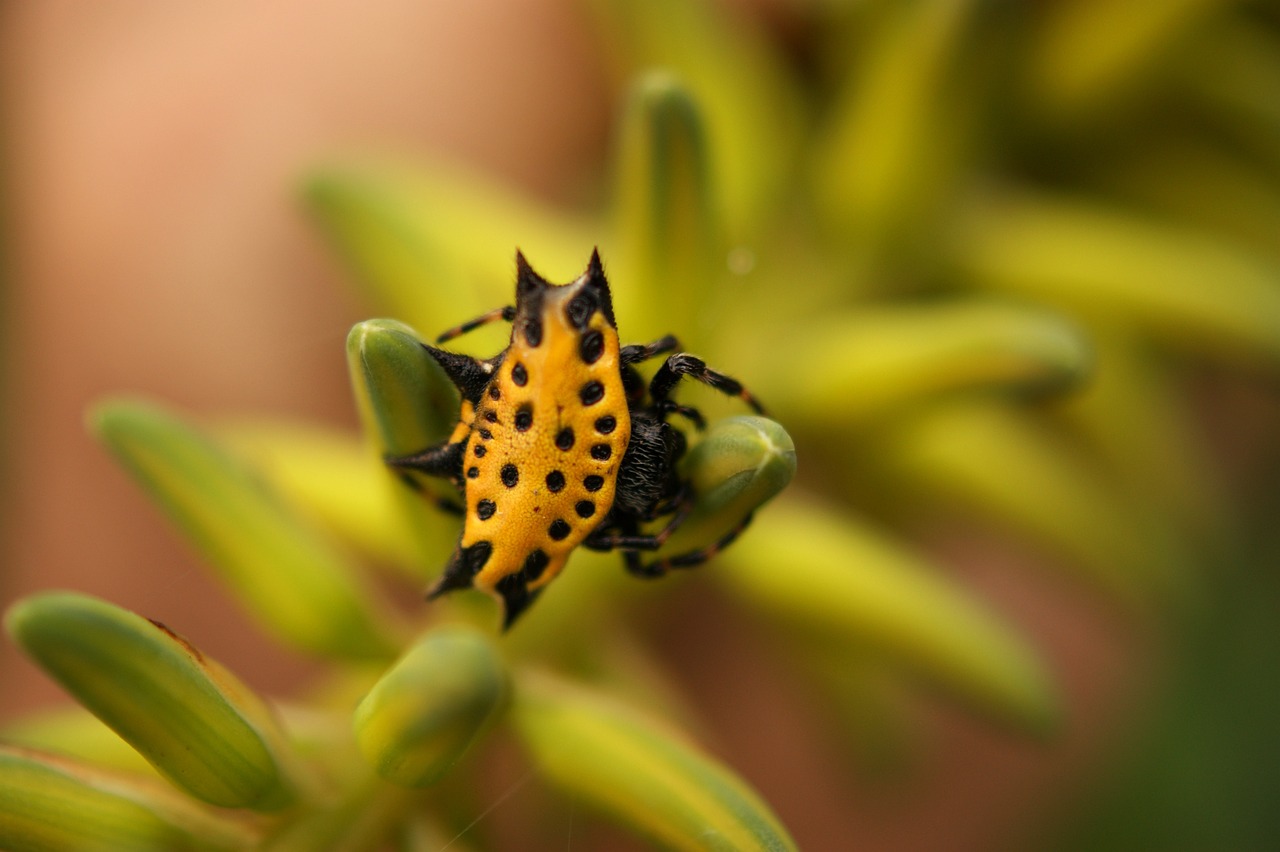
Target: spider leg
x: 637, y: 352
x: 630, y: 541
x: 440, y: 460
x: 506, y: 314
x: 685, y: 560
x: 683, y: 364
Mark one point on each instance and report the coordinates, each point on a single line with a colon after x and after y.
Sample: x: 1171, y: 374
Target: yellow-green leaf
x: 189, y: 717
x: 883, y: 360
x: 822, y: 571
x: 1191, y: 292
x: 638, y: 771
x: 53, y: 804
x: 290, y: 578
x: 751, y: 101
x: 667, y: 213
x: 437, y: 247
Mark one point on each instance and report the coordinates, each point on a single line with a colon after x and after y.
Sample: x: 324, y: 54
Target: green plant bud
x: 1043, y: 488
x: 1185, y: 289
x: 334, y: 478
x: 881, y: 361
x: 639, y: 772
x: 738, y: 466
x: 189, y: 717
x: 406, y: 404
x: 429, y: 708
x: 667, y: 217
x: 752, y: 103
x: 53, y: 804
x: 427, y: 246
x: 823, y: 572
x: 290, y: 578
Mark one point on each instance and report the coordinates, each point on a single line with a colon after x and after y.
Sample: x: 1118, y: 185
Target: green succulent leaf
x: 289, y: 577
x: 1189, y: 291
x: 668, y: 218
x: 882, y: 150
x: 637, y: 771
x: 1042, y: 488
x: 1091, y: 51
x: 335, y: 478
x: 820, y: 571
x: 882, y: 361
x: 439, y: 246
x: 752, y: 105
x: 73, y: 731
x: 53, y: 804
x: 427, y: 711
x: 406, y: 404
x: 189, y: 717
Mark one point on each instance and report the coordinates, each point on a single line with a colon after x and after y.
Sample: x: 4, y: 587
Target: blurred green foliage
x: 977, y: 258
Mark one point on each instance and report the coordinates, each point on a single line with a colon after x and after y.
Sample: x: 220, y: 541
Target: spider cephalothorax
x: 559, y: 443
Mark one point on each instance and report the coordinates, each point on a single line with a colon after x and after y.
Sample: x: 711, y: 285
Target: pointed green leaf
x: 427, y: 711
x: 437, y: 247
x: 825, y: 572
x: 406, y: 404
x: 752, y: 104
x: 73, y: 731
x: 292, y: 580
x: 881, y: 361
x: 1089, y: 51
x: 335, y: 478
x: 638, y: 771
x: 991, y: 462
x: 50, y: 803
x: 668, y: 218
x: 883, y: 150
x: 1184, y: 288
x: 189, y: 717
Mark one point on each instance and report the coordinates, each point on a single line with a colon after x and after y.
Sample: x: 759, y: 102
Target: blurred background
x: 156, y: 243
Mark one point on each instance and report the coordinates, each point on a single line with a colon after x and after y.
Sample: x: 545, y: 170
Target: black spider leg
x: 634, y: 354
x: 683, y: 364
x: 637, y: 352
x: 507, y: 314
x: 628, y: 537
x: 691, y: 559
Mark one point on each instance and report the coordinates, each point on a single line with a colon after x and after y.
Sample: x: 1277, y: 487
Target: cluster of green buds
x: 866, y: 254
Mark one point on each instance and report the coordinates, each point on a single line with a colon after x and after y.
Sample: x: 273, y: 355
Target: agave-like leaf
x: 438, y: 247
x: 189, y: 717
x: 882, y: 149
x: 406, y: 404
x: 639, y: 772
x: 335, y: 478
x: 73, y: 731
x: 49, y: 803
x: 1043, y: 488
x: 290, y: 578
x: 1090, y: 51
x: 821, y: 571
x: 427, y: 711
x: 1188, y: 290
x: 865, y: 366
x: 667, y: 212
x: 752, y: 104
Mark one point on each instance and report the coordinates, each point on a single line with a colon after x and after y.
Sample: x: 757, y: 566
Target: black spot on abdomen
x: 510, y: 475
x: 534, y: 564
x: 591, y: 347
x: 564, y: 439
x: 559, y: 530
x: 485, y: 509
x: 591, y: 393
x: 555, y: 481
